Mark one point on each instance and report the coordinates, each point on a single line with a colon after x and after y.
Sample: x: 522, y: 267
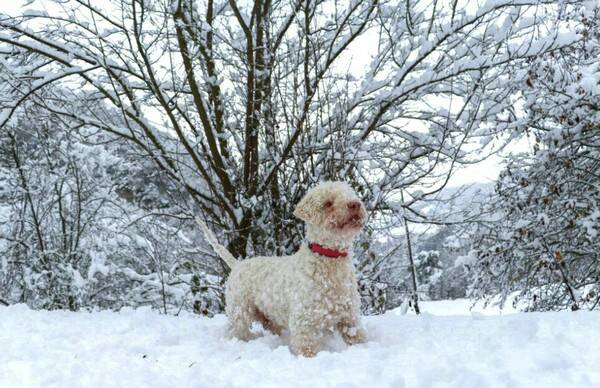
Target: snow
x: 447, y: 346
x: 468, y: 259
x: 4, y: 115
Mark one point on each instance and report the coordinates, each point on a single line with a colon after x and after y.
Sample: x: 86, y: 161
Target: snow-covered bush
x: 429, y: 270
x: 69, y: 236
x: 545, y: 240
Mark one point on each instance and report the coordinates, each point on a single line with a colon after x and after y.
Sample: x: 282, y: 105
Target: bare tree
x: 246, y: 104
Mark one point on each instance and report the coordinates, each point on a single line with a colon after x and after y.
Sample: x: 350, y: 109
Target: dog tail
x: 223, y: 253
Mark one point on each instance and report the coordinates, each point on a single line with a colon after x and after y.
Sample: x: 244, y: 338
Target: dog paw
x: 308, y: 352
x: 354, y: 335
x: 304, y: 345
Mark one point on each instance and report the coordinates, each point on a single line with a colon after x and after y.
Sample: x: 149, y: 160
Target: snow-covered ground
x: 446, y: 347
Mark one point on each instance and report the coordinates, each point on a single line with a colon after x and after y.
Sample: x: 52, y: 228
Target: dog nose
x: 354, y: 205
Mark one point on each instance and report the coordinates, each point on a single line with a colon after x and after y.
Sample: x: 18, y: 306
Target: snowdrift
x: 141, y: 348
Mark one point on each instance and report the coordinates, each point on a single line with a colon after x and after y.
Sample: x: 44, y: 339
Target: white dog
x: 311, y: 291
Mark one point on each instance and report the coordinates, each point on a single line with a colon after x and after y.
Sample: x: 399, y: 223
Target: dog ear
x: 305, y: 209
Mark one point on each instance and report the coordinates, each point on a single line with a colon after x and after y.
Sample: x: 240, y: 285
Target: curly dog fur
x: 306, y: 293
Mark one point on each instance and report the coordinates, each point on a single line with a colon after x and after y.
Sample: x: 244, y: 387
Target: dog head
x: 332, y: 209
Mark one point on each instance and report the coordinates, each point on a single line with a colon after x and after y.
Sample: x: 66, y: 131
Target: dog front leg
x: 352, y: 332
x: 305, y: 341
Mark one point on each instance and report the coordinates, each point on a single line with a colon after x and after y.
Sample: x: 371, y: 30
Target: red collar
x: 334, y: 254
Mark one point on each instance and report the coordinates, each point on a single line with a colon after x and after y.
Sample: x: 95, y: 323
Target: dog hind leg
x: 267, y: 323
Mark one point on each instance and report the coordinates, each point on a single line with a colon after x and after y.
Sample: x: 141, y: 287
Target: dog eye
x: 328, y: 204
